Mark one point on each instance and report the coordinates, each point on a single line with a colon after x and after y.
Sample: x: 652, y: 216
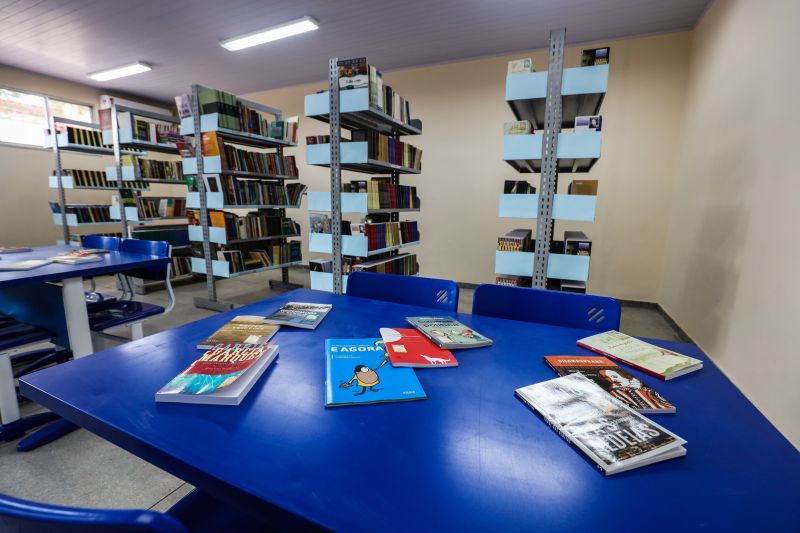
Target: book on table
x: 448, y: 333
x: 615, y: 437
x: 612, y: 379
x: 409, y: 347
x: 243, y: 329
x: 24, y: 265
x: 299, y: 315
x: 654, y: 360
x: 357, y: 371
x: 76, y: 257
x: 14, y: 249
x: 221, y: 376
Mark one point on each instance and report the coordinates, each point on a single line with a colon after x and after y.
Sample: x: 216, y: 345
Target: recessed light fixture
x: 120, y: 72
x: 281, y: 31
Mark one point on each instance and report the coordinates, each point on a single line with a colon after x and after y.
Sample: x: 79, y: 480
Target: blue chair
x: 439, y: 294
x: 195, y: 513
x: 102, y: 242
x: 555, y: 308
x: 105, y: 315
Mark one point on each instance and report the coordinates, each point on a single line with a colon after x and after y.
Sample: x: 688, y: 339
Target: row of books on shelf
x: 150, y: 131
x: 563, y: 285
x: 519, y: 240
x: 576, y: 187
x: 357, y: 73
x: 154, y: 169
x: 152, y: 207
x: 251, y: 192
x: 253, y: 259
x: 385, y: 148
x: 233, y: 114
x: 383, y: 194
x: 589, y: 58
x: 405, y: 264
x: 379, y: 234
x: 82, y: 136
x: 232, y: 158
x: 97, y: 178
x: 582, y: 123
x: 258, y: 224
x: 84, y: 213
x: 181, y: 266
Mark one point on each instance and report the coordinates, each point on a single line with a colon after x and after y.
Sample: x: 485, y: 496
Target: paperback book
x: 299, y: 315
x: 357, y: 371
x: 24, y: 265
x: 409, y: 347
x: 448, y: 333
x: 615, y: 437
x: 519, y: 66
x: 243, y: 329
x: 654, y: 360
x: 222, y: 376
x: 14, y: 250
x: 612, y: 379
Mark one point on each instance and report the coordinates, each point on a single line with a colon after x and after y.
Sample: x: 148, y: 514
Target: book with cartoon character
x: 409, y: 347
x: 357, y: 372
x: 448, y: 333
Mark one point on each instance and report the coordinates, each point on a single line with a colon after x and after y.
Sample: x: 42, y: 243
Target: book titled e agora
x: 654, y: 360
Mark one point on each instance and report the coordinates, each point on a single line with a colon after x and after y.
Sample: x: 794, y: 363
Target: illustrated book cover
x: 615, y: 437
x: 243, y: 329
x: 221, y: 376
x: 409, y: 347
x: 299, y: 315
x: 612, y: 379
x: 357, y: 371
x: 656, y: 361
x: 448, y: 333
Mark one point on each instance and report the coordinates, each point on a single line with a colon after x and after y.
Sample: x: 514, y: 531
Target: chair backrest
x: 103, y: 242
x: 568, y: 309
x: 412, y: 290
x: 140, y: 246
x: 30, y: 517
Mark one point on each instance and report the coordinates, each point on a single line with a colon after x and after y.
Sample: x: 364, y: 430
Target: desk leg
x: 80, y: 337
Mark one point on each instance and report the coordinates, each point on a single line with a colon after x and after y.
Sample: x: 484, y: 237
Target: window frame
x: 47, y: 99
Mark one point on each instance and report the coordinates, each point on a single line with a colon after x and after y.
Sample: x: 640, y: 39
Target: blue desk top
x: 470, y: 457
x: 112, y: 263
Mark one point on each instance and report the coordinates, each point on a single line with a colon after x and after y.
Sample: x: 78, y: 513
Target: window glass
x: 23, y: 120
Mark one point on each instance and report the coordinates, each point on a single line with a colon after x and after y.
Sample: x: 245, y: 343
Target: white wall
x: 732, y: 262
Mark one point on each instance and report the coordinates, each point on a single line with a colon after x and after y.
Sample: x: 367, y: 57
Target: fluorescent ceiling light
x: 120, y: 72
x: 281, y: 31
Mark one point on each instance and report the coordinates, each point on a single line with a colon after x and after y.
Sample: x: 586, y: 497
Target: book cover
x: 615, y: 437
x: 519, y: 66
x: 243, y: 329
x: 223, y: 375
x: 24, y: 265
x: 656, y: 361
x: 448, y: 333
x: 357, y: 371
x: 353, y: 73
x: 14, y: 250
x: 299, y: 315
x: 612, y: 379
x: 409, y: 347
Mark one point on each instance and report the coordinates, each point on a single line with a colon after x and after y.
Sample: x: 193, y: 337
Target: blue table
x: 470, y: 457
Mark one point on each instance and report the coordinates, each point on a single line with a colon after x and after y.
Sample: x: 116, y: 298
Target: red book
x: 409, y: 347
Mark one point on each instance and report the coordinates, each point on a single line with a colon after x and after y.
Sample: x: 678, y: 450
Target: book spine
x: 621, y: 360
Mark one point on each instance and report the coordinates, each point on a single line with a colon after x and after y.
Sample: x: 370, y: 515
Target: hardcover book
x: 612, y: 379
x: 243, y: 329
x: 222, y: 376
x: 299, y: 315
x: 518, y: 66
x: 656, y: 361
x: 615, y: 437
x: 409, y: 347
x: 357, y: 371
x: 448, y: 333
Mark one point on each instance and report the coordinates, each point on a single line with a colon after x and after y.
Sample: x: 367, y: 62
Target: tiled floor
x: 84, y: 470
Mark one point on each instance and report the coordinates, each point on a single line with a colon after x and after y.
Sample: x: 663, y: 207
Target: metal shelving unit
x: 209, y: 265
x: 351, y: 110
x: 551, y: 100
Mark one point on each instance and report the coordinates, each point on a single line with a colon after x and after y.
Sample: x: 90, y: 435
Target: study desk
x: 471, y: 457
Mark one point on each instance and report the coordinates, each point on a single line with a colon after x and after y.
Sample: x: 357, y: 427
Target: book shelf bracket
x: 336, y: 173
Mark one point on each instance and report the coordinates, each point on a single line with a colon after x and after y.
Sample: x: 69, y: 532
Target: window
x: 23, y: 120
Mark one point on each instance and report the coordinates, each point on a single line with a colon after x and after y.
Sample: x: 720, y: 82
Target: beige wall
x: 463, y: 108
x: 732, y: 258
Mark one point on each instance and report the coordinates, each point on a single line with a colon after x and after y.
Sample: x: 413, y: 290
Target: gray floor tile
x: 172, y: 498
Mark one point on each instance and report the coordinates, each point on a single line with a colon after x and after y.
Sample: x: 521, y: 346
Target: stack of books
x: 252, y: 259
x: 257, y: 224
x: 518, y: 240
x: 85, y: 213
x: 249, y: 192
x: 233, y: 114
x: 384, y: 148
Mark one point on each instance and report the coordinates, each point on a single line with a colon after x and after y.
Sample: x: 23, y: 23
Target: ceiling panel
x: 71, y: 38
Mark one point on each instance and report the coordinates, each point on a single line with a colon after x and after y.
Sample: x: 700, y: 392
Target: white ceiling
x: 70, y: 38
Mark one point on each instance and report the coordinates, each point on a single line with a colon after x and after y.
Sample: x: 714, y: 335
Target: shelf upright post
x: 62, y: 198
x: 336, y: 174
x: 118, y: 167
x: 549, y: 178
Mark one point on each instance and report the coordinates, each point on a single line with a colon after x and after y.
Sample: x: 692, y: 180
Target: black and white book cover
x: 611, y: 434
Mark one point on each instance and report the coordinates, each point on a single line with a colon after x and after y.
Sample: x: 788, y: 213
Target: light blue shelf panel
x: 352, y: 202
x: 350, y: 101
x: 323, y: 281
x: 355, y: 112
x: 571, y: 145
x: 559, y: 266
x: 128, y: 173
x: 579, y: 80
x: 565, y: 206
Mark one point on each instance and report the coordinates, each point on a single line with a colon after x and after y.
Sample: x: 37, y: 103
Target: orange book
x: 217, y: 219
x: 212, y: 145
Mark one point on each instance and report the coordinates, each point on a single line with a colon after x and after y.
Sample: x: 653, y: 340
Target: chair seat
x: 20, y: 336
x: 121, y: 312
x: 201, y: 513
